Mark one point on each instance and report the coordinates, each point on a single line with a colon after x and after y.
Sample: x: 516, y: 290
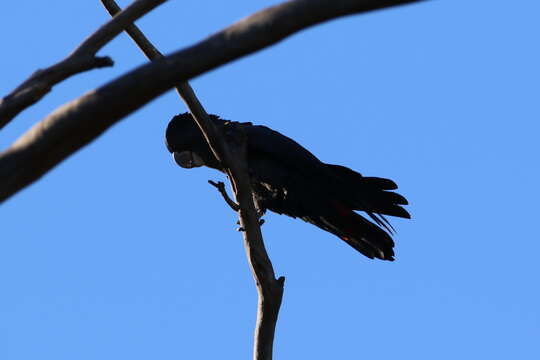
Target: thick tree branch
x: 230, y: 148
x: 82, y: 120
x: 82, y: 59
x: 183, y: 88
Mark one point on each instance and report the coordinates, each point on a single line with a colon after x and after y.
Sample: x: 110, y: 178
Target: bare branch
x: 134, y: 32
x: 82, y: 120
x: 183, y: 88
x: 269, y: 289
x: 232, y: 154
x: 82, y: 59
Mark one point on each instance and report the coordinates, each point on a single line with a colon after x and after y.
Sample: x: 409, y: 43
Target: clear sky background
x: 119, y: 254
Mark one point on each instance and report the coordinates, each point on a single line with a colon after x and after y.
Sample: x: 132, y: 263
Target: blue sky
x: 118, y: 253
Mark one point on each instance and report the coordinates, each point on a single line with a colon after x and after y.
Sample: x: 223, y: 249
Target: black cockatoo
x: 288, y: 179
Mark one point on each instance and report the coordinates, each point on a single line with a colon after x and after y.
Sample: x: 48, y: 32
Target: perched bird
x: 288, y: 179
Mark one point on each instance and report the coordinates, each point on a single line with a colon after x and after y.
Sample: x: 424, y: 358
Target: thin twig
x: 220, y: 185
x: 81, y: 59
x: 233, y: 158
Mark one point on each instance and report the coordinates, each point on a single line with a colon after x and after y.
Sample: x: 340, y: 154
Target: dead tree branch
x: 80, y: 121
x: 220, y: 186
x: 183, y: 88
x: 230, y: 148
x: 81, y: 59
x: 269, y: 289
